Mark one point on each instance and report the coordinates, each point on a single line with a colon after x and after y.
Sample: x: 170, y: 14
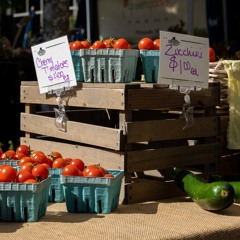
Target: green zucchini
x: 234, y: 180
x: 236, y: 186
x: 212, y: 196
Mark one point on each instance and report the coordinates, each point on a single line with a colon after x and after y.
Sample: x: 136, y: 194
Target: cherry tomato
x: 8, y: 174
x: 18, y: 156
x: 120, y: 43
x: 24, y: 160
x: 27, y: 166
x: 68, y: 159
x: 109, y: 42
x: 40, y: 157
x: 130, y: 46
x: 23, y: 149
x: 86, y: 43
x: 70, y: 45
x: 156, y: 44
x: 40, y: 172
x: 31, y: 180
x: 23, y: 176
x: 98, y: 45
x: 76, y: 45
x: 92, y: 171
x: 59, y: 163
x: 53, y: 155
x: 35, y: 152
x: 145, y: 43
x: 108, y: 175
x: 212, y: 56
x: 8, y: 154
x: 78, y: 163
x: 70, y: 170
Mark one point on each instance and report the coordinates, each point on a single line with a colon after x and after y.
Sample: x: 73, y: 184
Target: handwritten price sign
x: 53, y: 65
x: 184, y: 60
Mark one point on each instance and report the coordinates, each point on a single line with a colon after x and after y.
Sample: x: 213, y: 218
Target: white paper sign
x: 53, y: 65
x: 184, y: 60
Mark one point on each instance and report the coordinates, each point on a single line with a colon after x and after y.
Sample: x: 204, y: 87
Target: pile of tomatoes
x: 120, y: 43
x: 33, y: 166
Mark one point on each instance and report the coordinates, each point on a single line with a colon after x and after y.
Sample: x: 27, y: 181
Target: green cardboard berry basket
x: 92, y: 194
x: 21, y: 202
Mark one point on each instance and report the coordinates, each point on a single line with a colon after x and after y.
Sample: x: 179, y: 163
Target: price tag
x: 53, y: 65
x: 184, y: 60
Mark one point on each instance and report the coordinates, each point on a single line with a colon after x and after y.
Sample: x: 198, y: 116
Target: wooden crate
x: 136, y: 127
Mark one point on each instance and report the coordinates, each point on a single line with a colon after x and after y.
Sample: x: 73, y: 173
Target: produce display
x: 34, y: 166
x: 214, y: 196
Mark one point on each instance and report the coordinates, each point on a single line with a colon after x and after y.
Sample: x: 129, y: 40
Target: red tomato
x: 76, y: 45
x: 120, y: 43
x: 8, y: 174
x: 130, y: 46
x: 98, y: 45
x: 78, y: 163
x: 70, y: 170
x: 40, y: 172
x: 70, y: 45
x: 35, y: 153
x: 1, y: 151
x: 108, y: 175
x: 86, y: 43
x: 28, y: 166
x: 46, y: 165
x: 23, y: 176
x: 40, y: 157
x: 92, y: 171
x: 53, y: 155
x: 145, y: 43
x: 156, y: 44
x: 59, y: 163
x: 18, y: 156
x: 68, y: 159
x: 8, y: 154
x: 212, y: 56
x: 109, y: 42
x: 31, y: 180
x: 23, y: 149
x: 24, y: 160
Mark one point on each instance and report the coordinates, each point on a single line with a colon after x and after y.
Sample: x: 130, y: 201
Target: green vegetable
x: 212, y: 196
x: 236, y: 186
x: 234, y: 180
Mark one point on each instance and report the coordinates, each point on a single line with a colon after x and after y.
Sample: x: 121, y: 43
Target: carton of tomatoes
x: 150, y: 64
x: 92, y: 194
x: 77, y: 64
x: 23, y: 202
x: 56, y: 193
x: 109, y: 65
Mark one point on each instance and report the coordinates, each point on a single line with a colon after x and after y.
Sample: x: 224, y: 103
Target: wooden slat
x: 147, y: 98
x: 139, y: 161
x: 78, y: 97
x: 79, y: 132
x: 171, y: 129
x: 150, y: 190
x: 122, y: 96
x: 90, y: 155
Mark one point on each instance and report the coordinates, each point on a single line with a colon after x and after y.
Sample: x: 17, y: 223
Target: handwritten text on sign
x: 53, y: 64
x: 184, y: 60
